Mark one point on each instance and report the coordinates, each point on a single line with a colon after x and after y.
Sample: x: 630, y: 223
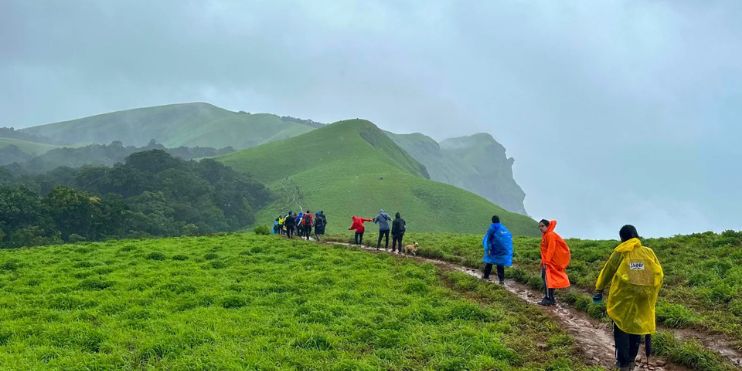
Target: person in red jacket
x: 555, y: 258
x: 359, y: 228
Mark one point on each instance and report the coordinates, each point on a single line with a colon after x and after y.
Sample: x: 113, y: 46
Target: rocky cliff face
x: 476, y: 163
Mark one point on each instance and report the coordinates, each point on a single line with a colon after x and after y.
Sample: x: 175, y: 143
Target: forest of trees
x: 150, y: 194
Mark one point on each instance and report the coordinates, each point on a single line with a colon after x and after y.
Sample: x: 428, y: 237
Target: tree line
x: 150, y: 194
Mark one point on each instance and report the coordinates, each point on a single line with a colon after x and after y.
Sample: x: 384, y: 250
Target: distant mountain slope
x: 352, y: 168
x: 18, y: 150
x: 175, y: 125
x: 104, y: 155
x: 476, y: 163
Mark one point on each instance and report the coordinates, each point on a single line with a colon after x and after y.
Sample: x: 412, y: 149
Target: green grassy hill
x: 27, y: 147
x: 353, y: 168
x: 19, y: 150
x: 175, y: 125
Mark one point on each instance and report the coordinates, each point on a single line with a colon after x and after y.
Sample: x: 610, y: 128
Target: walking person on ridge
x: 383, y: 221
x: 290, y: 223
x: 399, y: 226
x: 498, y: 249
x: 635, y: 277
x: 555, y: 256
x: 358, y: 226
x: 320, y: 221
x: 306, y: 224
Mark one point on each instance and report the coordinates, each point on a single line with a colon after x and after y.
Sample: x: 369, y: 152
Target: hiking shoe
x: 501, y: 282
x: 486, y: 279
x: 546, y: 302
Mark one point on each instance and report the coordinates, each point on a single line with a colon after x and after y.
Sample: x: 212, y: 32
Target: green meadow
x: 242, y: 301
x: 700, y: 291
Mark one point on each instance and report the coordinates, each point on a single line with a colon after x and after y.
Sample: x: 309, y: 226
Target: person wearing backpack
x: 320, y: 221
x: 289, y: 223
x: 306, y: 224
x: 635, y: 277
x: 555, y: 258
x: 498, y: 249
x: 383, y: 221
x: 398, y: 228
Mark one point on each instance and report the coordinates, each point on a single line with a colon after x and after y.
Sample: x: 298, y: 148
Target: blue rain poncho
x: 498, y: 245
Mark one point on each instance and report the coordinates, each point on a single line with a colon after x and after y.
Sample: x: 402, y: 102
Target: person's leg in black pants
x: 383, y: 234
x: 500, y: 273
x: 289, y: 231
x: 543, y: 278
x: 627, y: 347
x: 356, y: 238
x: 397, y: 240
x: 487, y: 271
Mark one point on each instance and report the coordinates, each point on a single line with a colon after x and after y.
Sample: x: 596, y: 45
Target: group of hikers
x: 300, y: 224
x: 633, y: 273
x: 398, y: 228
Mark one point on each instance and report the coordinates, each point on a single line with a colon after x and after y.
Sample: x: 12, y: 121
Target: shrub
x: 156, y: 255
x: 262, y: 230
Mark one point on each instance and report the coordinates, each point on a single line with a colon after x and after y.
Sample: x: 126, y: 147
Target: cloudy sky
x: 615, y: 111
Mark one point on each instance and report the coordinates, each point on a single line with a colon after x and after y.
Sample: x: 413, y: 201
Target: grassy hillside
x: 189, y: 124
x: 248, y: 302
x: 27, y: 147
x: 700, y: 291
x: 353, y: 168
x: 476, y: 163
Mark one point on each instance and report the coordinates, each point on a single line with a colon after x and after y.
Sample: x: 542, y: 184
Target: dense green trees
x: 151, y: 193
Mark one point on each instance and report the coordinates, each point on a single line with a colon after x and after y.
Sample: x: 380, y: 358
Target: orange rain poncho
x: 555, y: 257
x: 636, y: 276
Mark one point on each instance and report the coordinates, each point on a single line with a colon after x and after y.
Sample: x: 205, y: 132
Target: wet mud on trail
x: 593, y: 337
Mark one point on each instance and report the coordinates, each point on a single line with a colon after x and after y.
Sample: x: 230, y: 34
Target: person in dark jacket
x: 398, y: 228
x: 383, y: 221
x: 320, y: 222
x: 290, y: 223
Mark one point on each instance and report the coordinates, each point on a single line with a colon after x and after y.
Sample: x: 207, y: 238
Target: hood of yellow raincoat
x: 628, y: 245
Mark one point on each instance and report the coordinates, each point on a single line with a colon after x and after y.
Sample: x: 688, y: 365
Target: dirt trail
x: 595, y: 338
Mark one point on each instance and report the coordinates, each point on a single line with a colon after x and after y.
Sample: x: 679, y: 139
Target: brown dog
x: 411, y: 249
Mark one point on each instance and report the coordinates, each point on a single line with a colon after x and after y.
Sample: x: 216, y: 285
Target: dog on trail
x: 411, y: 249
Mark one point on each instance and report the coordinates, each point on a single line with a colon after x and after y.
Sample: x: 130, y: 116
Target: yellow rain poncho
x: 635, y: 275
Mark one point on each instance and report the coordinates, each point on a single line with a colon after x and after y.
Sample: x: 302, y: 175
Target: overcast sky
x: 615, y: 111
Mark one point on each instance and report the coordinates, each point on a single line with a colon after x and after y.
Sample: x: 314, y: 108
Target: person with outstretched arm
x: 399, y: 226
x: 498, y: 249
x: 555, y: 258
x: 358, y: 226
x: 383, y: 221
x: 635, y: 276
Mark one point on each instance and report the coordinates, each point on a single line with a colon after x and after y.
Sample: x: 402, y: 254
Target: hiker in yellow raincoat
x: 635, y: 277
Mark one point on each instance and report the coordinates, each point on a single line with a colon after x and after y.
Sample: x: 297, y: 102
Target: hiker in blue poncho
x: 498, y: 249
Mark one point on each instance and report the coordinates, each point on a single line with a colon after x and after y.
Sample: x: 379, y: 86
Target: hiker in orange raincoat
x: 359, y: 228
x: 555, y: 257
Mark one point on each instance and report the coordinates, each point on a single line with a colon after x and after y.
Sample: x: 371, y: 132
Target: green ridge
x: 187, y: 124
x: 30, y: 148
